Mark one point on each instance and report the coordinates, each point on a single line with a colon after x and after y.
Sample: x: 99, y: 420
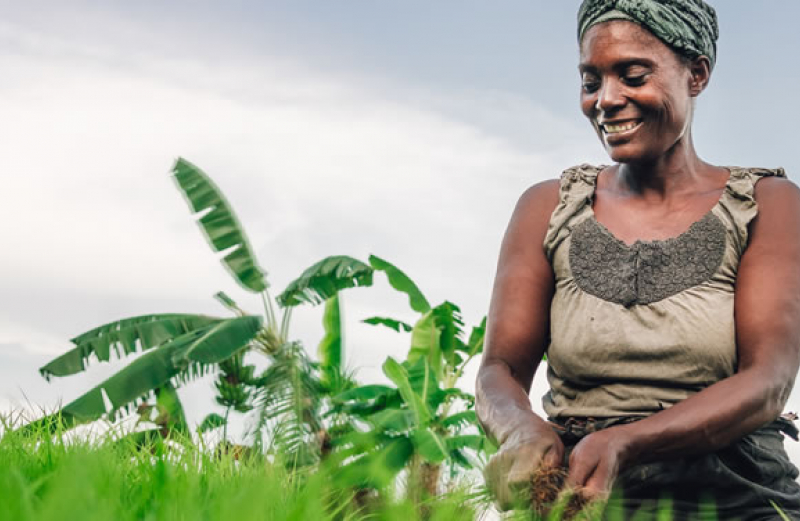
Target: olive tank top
x: 635, y: 329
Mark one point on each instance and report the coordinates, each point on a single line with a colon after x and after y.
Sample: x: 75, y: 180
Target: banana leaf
x: 377, y: 468
x: 399, y: 375
x: 159, y: 367
x: 395, y: 420
x: 425, y: 343
x: 211, y: 422
x: 448, y: 321
x: 429, y: 445
x: 324, y: 279
x: 330, y: 349
x: 460, y: 420
x: 391, y: 323
x: 228, y: 302
x: 401, y: 282
x: 364, y: 392
x: 170, y: 409
x: 126, y: 337
x: 475, y: 343
x: 466, y: 441
x: 220, y: 225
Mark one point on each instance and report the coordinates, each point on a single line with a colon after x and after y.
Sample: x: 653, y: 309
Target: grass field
x: 92, y: 478
x: 44, y: 479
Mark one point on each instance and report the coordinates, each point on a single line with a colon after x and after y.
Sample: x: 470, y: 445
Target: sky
x: 406, y: 130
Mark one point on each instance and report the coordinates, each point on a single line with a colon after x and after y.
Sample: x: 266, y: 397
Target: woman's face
x: 635, y: 91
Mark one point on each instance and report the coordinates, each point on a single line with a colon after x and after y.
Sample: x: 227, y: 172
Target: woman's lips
x: 620, y: 130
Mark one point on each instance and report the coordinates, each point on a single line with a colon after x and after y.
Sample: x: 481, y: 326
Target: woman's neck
x: 672, y: 174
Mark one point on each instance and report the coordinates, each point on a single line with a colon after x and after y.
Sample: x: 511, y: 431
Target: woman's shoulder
x: 538, y: 201
x: 763, y: 185
x: 769, y: 207
x: 775, y: 194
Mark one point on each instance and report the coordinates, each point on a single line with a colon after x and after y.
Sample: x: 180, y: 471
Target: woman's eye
x: 590, y: 85
x: 635, y: 81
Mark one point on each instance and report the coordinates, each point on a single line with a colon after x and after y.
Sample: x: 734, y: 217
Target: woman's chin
x: 625, y: 154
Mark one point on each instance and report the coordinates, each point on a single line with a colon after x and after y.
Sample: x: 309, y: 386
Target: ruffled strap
x: 576, y: 192
x: 739, y: 200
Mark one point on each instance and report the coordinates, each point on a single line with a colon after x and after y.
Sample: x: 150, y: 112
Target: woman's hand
x: 508, y: 474
x: 597, y: 459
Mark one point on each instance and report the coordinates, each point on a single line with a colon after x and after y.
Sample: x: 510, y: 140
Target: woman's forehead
x: 621, y: 40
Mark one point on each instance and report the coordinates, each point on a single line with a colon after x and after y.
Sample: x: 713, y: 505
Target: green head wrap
x: 688, y: 26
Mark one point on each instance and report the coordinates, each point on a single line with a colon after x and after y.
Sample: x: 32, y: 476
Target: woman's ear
x: 699, y: 75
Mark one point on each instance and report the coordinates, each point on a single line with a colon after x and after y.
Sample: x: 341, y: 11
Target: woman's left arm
x: 767, y: 317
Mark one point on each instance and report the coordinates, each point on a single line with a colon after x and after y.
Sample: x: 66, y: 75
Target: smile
x: 617, y: 128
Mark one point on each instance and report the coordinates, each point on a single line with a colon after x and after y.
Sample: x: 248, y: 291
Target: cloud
x: 313, y: 164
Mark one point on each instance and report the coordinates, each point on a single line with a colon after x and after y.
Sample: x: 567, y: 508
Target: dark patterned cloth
x: 646, y: 271
x: 739, y: 482
x: 688, y: 26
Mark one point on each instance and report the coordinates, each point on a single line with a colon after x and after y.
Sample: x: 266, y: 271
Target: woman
x: 664, y: 290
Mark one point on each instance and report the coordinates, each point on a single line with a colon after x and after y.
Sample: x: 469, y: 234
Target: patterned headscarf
x: 688, y: 26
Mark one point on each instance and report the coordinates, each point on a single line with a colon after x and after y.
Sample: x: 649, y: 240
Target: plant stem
x: 225, y: 426
x: 268, y: 311
x: 284, y: 331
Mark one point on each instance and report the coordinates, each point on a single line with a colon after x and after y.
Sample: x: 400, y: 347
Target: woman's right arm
x: 517, y: 336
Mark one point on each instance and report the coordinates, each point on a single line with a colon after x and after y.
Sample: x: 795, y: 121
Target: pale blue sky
x: 404, y: 129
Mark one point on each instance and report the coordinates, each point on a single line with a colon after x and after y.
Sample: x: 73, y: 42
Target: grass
x: 60, y: 478
x: 66, y: 477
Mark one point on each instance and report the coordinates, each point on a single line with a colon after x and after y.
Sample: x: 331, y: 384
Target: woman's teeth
x: 622, y: 127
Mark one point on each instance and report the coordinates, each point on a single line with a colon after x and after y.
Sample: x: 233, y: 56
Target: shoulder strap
x: 576, y: 192
x: 739, y: 198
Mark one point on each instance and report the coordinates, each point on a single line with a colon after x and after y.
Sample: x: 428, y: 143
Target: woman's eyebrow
x: 636, y: 62
x: 620, y: 65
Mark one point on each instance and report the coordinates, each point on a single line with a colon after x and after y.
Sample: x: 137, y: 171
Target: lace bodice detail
x: 646, y: 271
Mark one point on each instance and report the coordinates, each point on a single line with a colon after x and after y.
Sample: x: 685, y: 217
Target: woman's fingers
x: 593, y: 465
x: 509, y: 473
x: 506, y: 476
x: 585, y: 458
x: 555, y: 456
x: 580, y: 470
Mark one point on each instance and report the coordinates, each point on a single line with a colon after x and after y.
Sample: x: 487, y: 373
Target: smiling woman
x: 664, y: 290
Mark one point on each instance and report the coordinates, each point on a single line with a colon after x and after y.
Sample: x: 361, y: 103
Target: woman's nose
x: 610, y: 96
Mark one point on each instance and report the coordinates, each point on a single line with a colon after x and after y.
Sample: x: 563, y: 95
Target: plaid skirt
x: 740, y: 482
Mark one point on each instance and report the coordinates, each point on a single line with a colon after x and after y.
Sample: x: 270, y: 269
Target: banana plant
x: 295, y: 397
x: 173, y: 349
x: 423, y: 421
x: 412, y: 425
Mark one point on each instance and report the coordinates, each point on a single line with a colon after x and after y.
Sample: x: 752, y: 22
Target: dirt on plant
x: 548, y: 488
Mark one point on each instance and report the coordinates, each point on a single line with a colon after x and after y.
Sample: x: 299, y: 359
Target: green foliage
x: 331, y: 348
x: 325, y: 279
x: 423, y: 420
x: 234, y: 383
x: 126, y: 337
x: 220, y: 225
x: 289, y: 399
x: 410, y: 423
x: 181, y: 358
x: 391, y: 323
x: 401, y: 282
x: 46, y: 478
x: 312, y: 414
x: 211, y: 422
